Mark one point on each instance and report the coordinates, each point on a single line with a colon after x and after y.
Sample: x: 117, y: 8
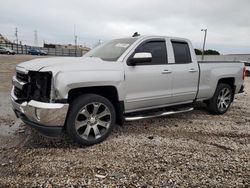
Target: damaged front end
x: 32, y: 86
x: 39, y: 86
x: 32, y: 102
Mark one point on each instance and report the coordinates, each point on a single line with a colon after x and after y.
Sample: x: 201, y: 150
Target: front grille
x: 22, y: 77
x: 20, y: 94
x: 34, y: 86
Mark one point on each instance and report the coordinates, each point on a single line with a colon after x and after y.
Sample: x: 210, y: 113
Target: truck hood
x: 69, y: 64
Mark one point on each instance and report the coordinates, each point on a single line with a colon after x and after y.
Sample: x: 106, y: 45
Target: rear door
x: 149, y: 84
x: 185, y: 73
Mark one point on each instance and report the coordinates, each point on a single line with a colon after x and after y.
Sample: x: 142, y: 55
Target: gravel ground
x: 193, y: 149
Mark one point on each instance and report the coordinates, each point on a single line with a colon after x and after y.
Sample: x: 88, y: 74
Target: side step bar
x: 159, y: 114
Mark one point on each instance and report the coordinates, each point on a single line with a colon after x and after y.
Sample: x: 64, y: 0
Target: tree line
x: 206, y: 52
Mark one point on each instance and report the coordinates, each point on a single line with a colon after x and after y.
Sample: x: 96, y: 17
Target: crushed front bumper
x: 48, y: 118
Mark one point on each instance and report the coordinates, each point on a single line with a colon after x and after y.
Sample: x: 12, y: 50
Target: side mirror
x: 141, y: 57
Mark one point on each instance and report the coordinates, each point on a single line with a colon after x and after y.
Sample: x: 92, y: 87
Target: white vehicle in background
x: 5, y: 50
x: 124, y: 79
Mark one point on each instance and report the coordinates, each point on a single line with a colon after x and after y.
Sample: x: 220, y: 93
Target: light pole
x: 203, y: 49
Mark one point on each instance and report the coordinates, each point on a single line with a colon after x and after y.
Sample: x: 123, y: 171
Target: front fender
x: 65, y: 81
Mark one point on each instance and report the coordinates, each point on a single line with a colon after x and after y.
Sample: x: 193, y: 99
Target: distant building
x: 66, y: 46
x: 3, y: 39
x: 229, y: 57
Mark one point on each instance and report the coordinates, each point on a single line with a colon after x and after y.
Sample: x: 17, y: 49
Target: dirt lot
x: 187, y: 150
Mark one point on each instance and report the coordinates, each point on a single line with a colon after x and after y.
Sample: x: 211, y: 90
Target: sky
x: 227, y: 21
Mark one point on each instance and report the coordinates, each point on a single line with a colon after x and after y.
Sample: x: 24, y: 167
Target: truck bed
x: 212, y: 71
x: 219, y: 62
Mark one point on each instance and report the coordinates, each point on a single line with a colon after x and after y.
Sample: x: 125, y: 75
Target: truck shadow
x: 173, y: 126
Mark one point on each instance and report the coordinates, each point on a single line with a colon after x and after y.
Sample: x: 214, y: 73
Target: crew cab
x: 123, y: 79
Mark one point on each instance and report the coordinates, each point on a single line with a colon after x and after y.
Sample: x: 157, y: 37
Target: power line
x: 34, y: 40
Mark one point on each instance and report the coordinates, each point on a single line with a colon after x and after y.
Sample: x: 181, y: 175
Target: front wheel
x: 90, y: 119
x: 221, y: 100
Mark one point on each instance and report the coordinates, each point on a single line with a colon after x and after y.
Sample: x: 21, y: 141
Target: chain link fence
x: 23, y: 49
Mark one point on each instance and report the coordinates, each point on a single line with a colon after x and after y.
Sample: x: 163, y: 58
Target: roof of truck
x: 160, y: 36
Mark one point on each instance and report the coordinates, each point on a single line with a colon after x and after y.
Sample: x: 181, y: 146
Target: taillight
x: 244, y: 73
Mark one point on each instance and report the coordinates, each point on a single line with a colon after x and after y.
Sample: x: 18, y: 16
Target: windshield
x: 112, y: 50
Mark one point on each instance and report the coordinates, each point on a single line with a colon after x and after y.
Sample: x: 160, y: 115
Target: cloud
x: 227, y: 21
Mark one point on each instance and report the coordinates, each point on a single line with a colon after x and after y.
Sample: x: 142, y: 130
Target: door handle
x: 192, y: 70
x: 166, y: 72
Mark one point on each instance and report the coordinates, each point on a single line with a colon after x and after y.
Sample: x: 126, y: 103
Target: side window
x: 181, y: 52
x: 157, y: 49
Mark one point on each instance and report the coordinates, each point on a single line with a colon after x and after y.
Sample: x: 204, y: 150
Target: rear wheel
x: 90, y: 120
x: 221, y: 100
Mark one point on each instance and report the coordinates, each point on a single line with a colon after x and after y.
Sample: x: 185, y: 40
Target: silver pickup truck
x: 124, y: 79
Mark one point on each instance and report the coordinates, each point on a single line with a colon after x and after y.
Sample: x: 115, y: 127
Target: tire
x: 90, y: 120
x: 221, y: 100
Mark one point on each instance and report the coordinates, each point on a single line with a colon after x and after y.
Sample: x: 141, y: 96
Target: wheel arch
x: 109, y: 92
x: 230, y: 81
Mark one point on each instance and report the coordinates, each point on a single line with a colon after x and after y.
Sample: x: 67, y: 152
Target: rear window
x: 181, y: 52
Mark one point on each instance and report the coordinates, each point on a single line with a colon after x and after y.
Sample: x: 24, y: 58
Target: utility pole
x: 35, y: 38
x: 75, y: 38
x: 204, y: 43
x: 16, y: 35
x: 76, y: 45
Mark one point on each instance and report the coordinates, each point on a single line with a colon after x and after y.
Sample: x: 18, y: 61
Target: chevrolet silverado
x: 121, y: 80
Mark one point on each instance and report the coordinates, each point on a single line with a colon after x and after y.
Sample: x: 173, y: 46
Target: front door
x: 149, y: 84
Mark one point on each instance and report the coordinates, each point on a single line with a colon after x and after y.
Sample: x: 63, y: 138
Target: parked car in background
x: 247, y: 65
x: 36, y: 51
x: 42, y: 52
x: 5, y: 50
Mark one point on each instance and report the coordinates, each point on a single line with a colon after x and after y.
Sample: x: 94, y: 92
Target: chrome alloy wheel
x: 224, y: 99
x: 93, y: 121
